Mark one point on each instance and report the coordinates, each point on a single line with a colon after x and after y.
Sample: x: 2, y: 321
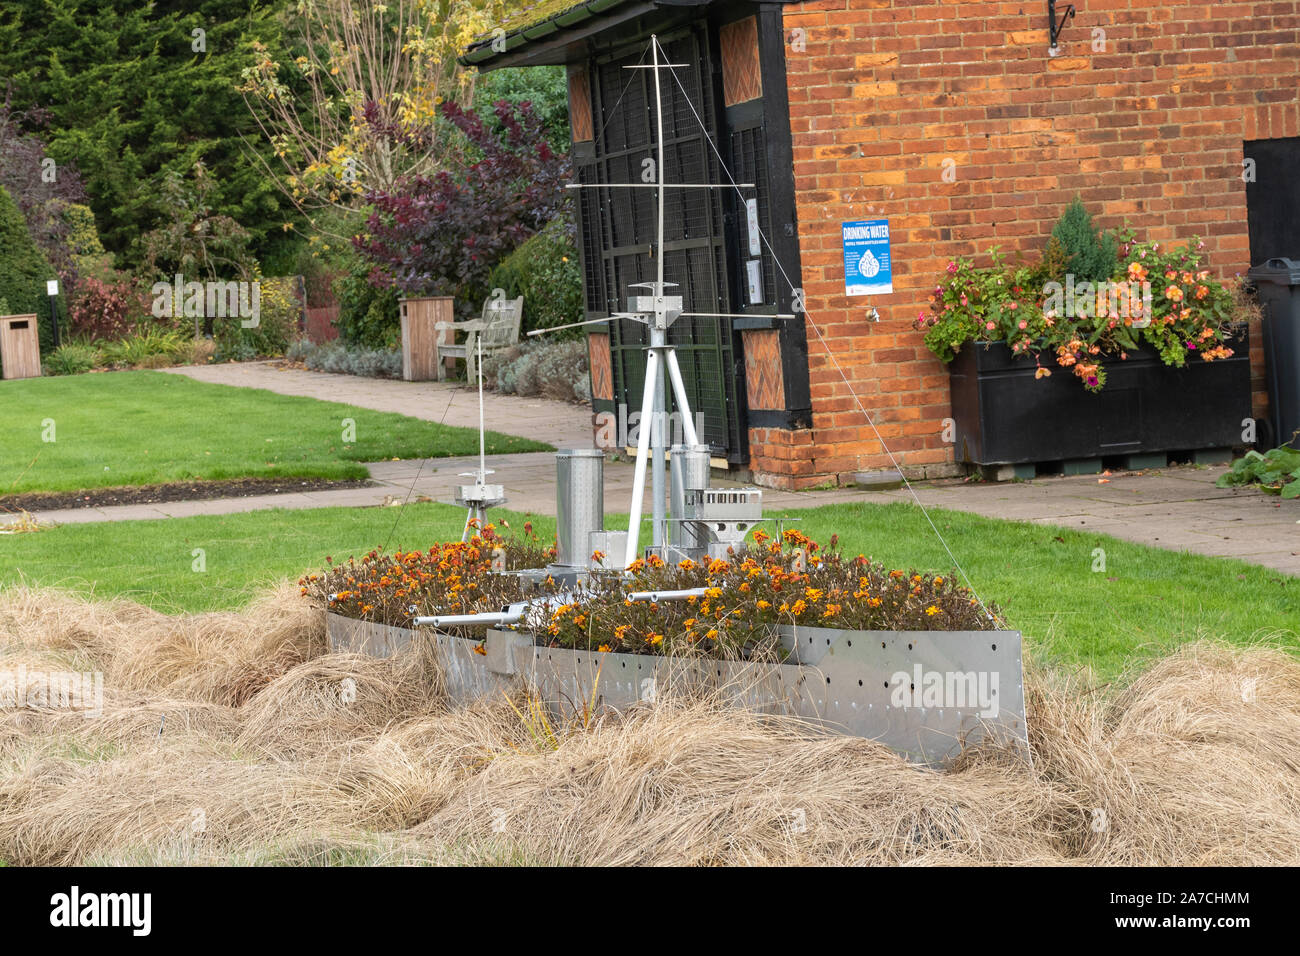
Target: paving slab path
x: 1175, y: 508
x: 556, y: 423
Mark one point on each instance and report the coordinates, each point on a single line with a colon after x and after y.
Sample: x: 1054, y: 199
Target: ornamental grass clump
x: 299, y: 756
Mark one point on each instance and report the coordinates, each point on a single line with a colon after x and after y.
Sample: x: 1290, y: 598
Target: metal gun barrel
x: 460, y: 620
x: 666, y: 595
x: 512, y: 614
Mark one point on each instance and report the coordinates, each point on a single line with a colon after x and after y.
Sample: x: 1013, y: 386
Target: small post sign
x: 867, y: 266
x: 52, y: 290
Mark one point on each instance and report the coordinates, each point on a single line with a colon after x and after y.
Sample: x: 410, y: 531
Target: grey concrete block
x: 1083, y: 466
x: 1143, y: 462
x: 878, y: 480
x: 1023, y: 472
x: 1212, y: 456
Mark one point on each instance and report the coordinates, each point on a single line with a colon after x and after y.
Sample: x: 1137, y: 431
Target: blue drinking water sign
x: 867, y: 269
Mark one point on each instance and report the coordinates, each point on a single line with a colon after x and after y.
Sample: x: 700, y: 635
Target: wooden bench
x: 497, y: 329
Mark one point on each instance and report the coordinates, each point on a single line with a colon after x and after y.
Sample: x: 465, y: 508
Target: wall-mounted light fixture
x: 1053, y: 27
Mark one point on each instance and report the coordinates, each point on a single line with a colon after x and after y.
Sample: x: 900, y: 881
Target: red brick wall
x: 884, y: 91
x: 782, y: 458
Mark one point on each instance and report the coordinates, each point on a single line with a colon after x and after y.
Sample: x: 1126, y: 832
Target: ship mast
x: 657, y: 311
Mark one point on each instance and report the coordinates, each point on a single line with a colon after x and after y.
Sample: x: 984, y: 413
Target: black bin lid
x: 1277, y: 271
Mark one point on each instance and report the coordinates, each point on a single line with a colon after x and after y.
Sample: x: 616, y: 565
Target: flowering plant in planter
x: 784, y: 580
x: 1163, y: 298
x: 455, y: 577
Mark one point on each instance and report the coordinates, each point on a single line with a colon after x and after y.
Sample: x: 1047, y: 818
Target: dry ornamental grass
x: 236, y: 738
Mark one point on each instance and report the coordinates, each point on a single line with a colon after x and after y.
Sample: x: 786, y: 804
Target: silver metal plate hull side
x: 348, y: 635
x: 927, y: 694
x: 466, y: 672
x: 568, y: 680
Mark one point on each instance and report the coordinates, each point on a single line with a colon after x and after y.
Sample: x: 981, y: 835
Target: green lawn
x: 135, y: 428
x: 1145, y: 602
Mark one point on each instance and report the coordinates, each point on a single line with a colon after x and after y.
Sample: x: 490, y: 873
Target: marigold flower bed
x: 450, y: 578
x: 777, y: 581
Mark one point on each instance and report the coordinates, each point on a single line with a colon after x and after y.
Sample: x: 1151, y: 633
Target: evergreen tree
x: 23, y: 270
x: 1088, y: 256
x: 138, y: 91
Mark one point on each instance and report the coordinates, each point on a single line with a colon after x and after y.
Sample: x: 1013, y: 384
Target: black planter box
x: 1005, y: 416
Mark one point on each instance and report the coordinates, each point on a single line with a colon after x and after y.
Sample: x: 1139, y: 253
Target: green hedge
x: 368, y: 317
x: 24, y: 270
x: 546, y: 272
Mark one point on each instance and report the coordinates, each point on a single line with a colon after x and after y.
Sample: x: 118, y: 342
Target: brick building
x: 952, y: 120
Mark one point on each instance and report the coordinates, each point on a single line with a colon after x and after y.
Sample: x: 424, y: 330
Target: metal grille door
x: 618, y: 227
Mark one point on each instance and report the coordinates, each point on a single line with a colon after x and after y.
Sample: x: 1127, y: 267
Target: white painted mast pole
x: 659, y: 329
x: 642, y: 440
x: 683, y: 403
x: 482, y: 454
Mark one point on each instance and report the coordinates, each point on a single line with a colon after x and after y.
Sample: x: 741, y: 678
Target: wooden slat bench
x: 498, y: 328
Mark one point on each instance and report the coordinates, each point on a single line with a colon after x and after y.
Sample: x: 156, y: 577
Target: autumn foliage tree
x: 391, y: 58
x: 442, y: 234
